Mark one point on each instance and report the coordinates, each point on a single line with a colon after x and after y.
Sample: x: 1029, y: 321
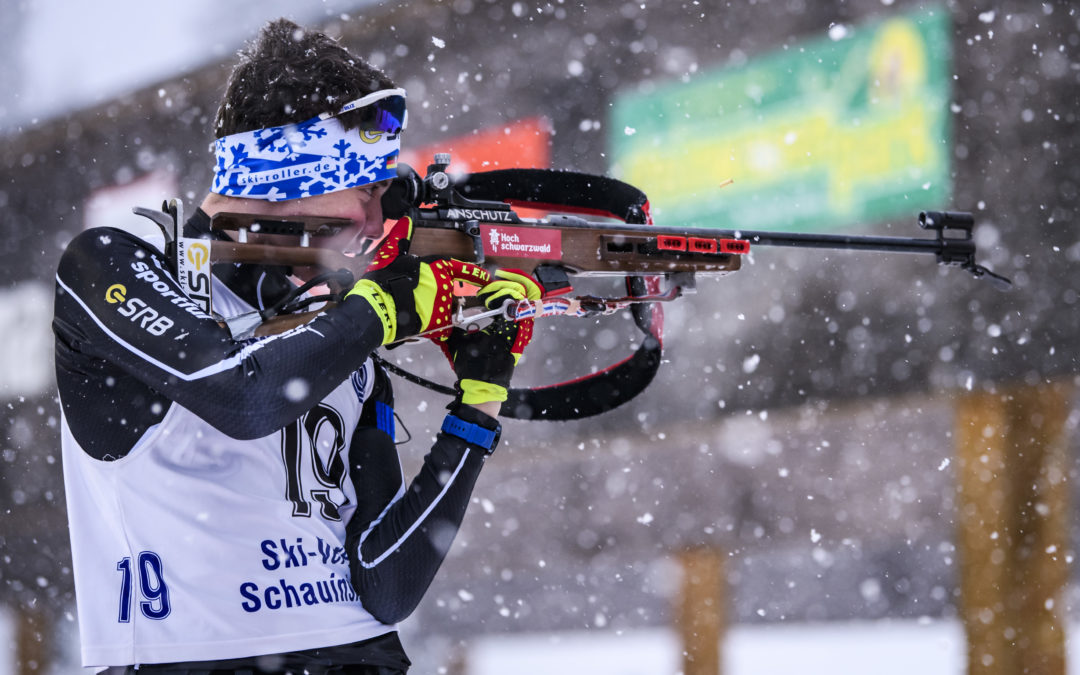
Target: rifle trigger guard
x: 553, y: 279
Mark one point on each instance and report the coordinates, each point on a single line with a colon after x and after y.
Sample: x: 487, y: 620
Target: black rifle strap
x: 412, y: 377
x: 560, y: 190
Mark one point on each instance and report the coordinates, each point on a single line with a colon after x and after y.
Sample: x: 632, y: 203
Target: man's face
x: 362, y: 205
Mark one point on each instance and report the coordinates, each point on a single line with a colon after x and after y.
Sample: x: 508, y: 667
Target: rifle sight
x: 947, y: 220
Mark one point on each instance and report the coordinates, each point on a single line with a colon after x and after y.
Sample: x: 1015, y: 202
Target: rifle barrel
x: 959, y: 245
x: 856, y: 242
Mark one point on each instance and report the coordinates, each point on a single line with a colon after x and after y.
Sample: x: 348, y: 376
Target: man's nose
x: 373, y: 216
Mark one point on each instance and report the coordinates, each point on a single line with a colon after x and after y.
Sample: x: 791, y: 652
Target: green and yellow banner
x: 849, y: 128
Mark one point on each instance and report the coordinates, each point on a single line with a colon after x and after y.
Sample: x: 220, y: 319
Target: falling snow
x: 804, y: 419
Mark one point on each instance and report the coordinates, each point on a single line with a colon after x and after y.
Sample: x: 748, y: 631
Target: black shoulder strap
x: 560, y: 190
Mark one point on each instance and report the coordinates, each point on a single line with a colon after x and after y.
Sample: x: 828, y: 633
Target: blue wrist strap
x: 471, y: 433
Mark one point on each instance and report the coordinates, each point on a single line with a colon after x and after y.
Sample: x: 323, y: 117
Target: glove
x: 409, y: 295
x: 484, y: 360
x: 513, y: 285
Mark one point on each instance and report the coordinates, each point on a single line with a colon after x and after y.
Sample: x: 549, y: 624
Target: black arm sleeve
x: 397, y: 542
x: 127, y: 334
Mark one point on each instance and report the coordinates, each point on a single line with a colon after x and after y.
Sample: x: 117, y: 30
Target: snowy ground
x: 882, y: 647
x: 892, y: 647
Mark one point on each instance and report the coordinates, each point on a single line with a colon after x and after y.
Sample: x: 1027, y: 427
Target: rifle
x: 475, y: 219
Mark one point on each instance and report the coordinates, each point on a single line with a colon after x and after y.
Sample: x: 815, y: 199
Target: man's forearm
x: 118, y: 303
x: 491, y: 408
x: 393, y: 559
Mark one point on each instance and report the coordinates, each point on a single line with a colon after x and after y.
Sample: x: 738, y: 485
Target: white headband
x: 312, y: 157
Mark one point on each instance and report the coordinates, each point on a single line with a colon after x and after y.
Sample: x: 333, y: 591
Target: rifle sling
x: 564, y: 190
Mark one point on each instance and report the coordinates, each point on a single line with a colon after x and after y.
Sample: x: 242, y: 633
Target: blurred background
x: 849, y: 462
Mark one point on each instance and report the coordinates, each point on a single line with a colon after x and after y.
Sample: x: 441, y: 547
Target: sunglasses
x: 378, y: 111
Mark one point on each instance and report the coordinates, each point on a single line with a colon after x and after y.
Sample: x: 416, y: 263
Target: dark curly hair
x: 290, y: 74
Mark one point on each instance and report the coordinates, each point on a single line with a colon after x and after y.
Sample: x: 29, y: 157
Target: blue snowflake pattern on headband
x: 302, y: 160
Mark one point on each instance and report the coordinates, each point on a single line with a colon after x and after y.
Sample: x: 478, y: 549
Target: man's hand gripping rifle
x: 474, y: 219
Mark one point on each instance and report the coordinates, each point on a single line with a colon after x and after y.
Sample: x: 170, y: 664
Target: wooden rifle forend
x: 578, y: 246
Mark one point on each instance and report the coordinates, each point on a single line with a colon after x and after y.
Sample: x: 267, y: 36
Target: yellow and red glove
x: 411, y: 296
x: 513, y: 285
x: 484, y: 360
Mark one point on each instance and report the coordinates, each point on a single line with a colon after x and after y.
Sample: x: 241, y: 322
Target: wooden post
x: 33, y: 643
x: 701, y: 614
x: 1012, y: 506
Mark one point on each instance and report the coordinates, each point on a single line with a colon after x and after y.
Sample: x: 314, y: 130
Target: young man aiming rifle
x: 237, y: 505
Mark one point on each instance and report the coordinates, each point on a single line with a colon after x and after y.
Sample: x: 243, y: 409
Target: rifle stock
x: 579, y: 247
